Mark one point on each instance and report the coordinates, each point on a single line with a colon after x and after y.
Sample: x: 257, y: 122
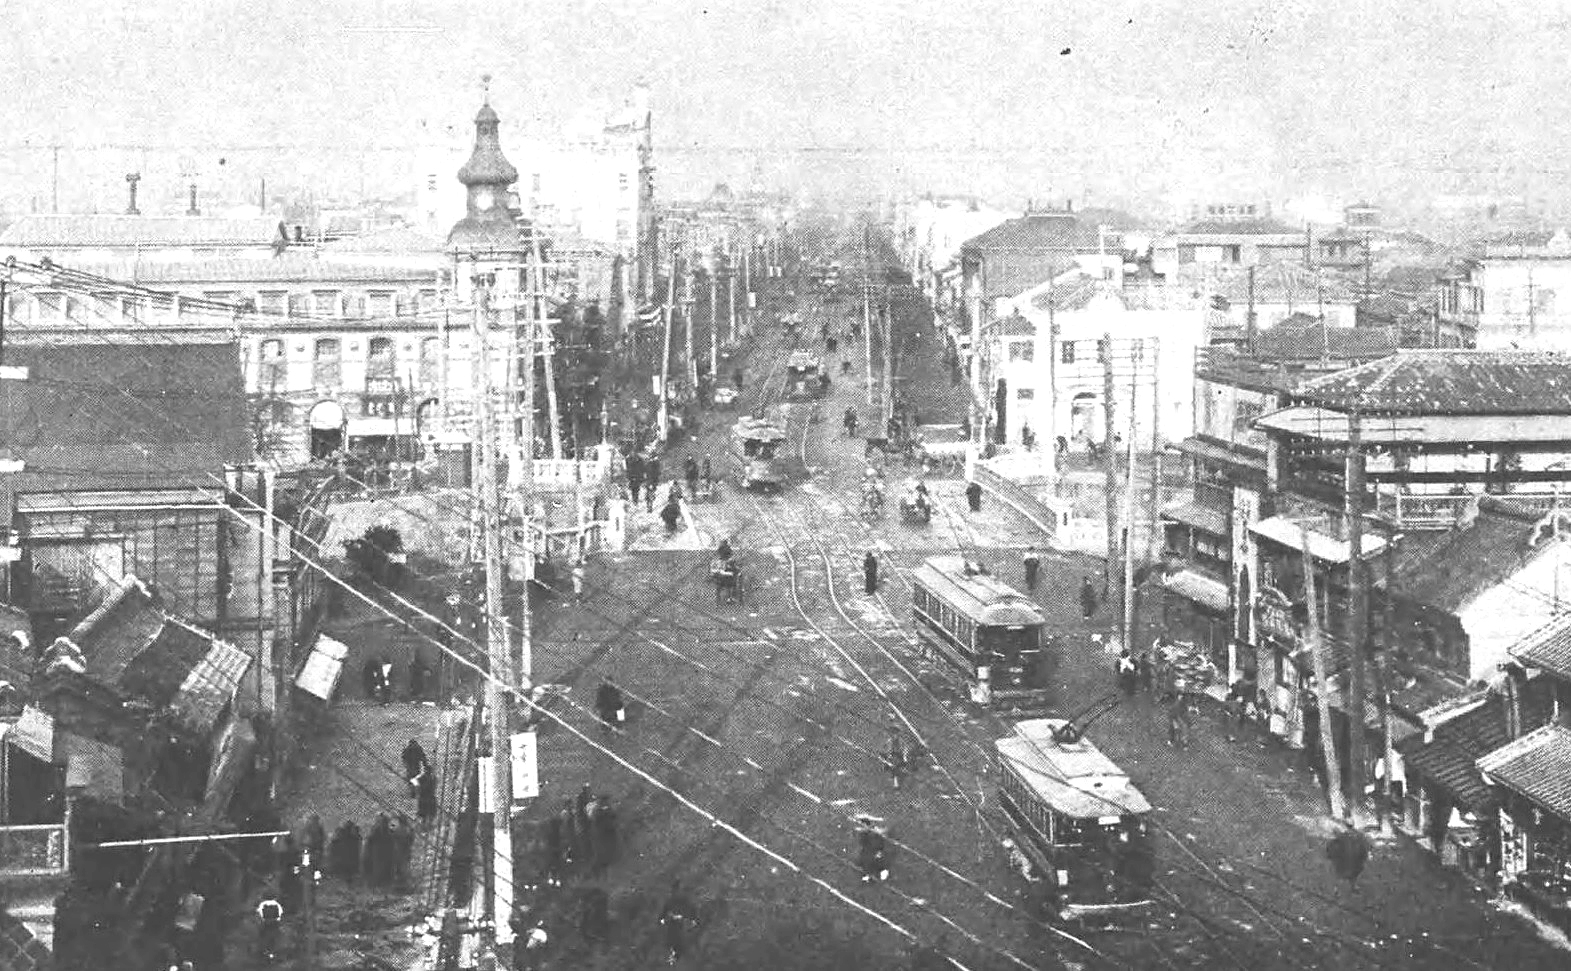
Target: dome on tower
x: 487, y: 165
x: 489, y: 225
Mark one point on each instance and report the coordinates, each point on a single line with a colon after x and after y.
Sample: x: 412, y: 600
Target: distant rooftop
x: 43, y: 231
x: 1239, y: 227
x: 285, y: 269
x: 1462, y: 382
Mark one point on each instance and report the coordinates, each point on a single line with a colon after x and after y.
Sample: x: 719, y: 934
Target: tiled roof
x: 1450, y: 759
x: 1276, y: 284
x: 1068, y: 295
x: 1548, y: 648
x: 285, y: 269
x: 41, y: 231
x: 132, y: 646
x: 1240, y: 227
x: 1301, y: 337
x: 1014, y: 326
x: 1042, y: 232
x: 393, y: 239
x: 1448, y: 570
x: 1454, y: 382
x: 1538, y: 766
x: 123, y: 415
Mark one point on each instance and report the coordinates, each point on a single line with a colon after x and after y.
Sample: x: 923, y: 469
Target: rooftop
x: 1239, y: 227
x: 1302, y: 338
x: 1448, y: 570
x: 284, y: 269
x: 44, y: 231
x: 1450, y: 758
x: 1044, y: 232
x: 1276, y: 284
x: 1454, y: 382
x: 399, y: 240
x: 1538, y: 766
x: 1548, y: 649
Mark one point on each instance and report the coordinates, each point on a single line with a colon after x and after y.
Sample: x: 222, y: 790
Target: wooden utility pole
x: 663, y: 414
x: 714, y: 323
x: 1050, y: 438
x: 731, y: 291
x: 747, y: 290
x: 886, y: 314
x: 538, y: 312
x: 867, y: 329
x: 689, y: 280
x: 502, y: 676
x: 308, y: 867
x: 1110, y: 474
x: 1127, y: 631
x: 1317, y: 653
x: 1153, y: 544
x: 1358, y: 611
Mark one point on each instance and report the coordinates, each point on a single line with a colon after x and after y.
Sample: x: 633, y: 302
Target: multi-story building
x: 1249, y: 241
x: 70, y: 239
x: 1508, y: 297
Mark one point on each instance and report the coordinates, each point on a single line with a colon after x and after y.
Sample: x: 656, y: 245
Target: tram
x: 759, y: 440
x: 804, y: 377
x: 1081, y: 832
x: 989, y: 633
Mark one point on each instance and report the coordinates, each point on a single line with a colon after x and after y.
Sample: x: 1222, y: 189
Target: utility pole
x: 538, y: 314
x: 54, y: 181
x: 1322, y: 684
x: 731, y: 292
x: 1050, y: 452
x: 1110, y: 473
x: 1156, y: 447
x: 714, y: 322
x: 502, y: 677
x: 887, y: 315
x: 1251, y: 323
x: 747, y: 288
x: 867, y: 330
x: 689, y: 279
x: 1126, y: 635
x: 663, y: 409
x: 308, y: 910
x: 1383, y: 680
x: 1358, y: 612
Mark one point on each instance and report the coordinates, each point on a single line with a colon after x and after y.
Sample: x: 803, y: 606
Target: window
x: 354, y: 305
x: 299, y: 305
x: 430, y: 362
x: 380, y: 353
x: 1066, y: 352
x: 1544, y: 300
x: 1233, y: 253
x: 274, y: 302
x: 1022, y: 351
x: 325, y: 372
x: 272, y: 350
x: 327, y: 349
x: 405, y: 305
x: 380, y: 303
x: 273, y: 373
x: 428, y: 300
x: 325, y: 303
x: 18, y: 308
x: 51, y: 307
x: 1025, y: 394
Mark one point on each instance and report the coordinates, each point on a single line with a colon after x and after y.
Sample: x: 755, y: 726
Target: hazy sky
x: 1007, y: 97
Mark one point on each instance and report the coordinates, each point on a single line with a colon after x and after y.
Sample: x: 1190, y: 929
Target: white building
x: 1510, y: 296
x: 933, y: 231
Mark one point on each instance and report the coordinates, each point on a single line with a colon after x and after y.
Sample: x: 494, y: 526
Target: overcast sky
x: 1010, y: 98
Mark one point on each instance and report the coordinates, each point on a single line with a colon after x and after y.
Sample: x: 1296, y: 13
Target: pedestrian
x: 403, y: 848
x: 1127, y: 678
x: 872, y: 853
x: 529, y: 947
x: 419, y: 678
x: 270, y: 928
x: 1348, y: 852
x: 581, y: 804
x: 736, y: 379
x: 343, y: 853
x: 1027, y: 438
x: 594, y: 920
x: 609, y: 704
x: 1178, y: 720
x: 896, y: 755
x: 870, y: 573
x: 578, y: 578
x: 651, y: 481
x: 425, y: 797
x: 376, y: 857
x: 965, y: 426
x: 671, y: 515
x: 974, y: 496
x: 706, y: 470
x: 850, y: 422
x: 1144, y: 670
x: 555, y: 841
x: 690, y: 471
x: 314, y: 839
x: 415, y: 762
x: 1033, y: 565
x: 635, y: 474
x: 1088, y: 602
x: 675, y: 916
x: 371, y: 676
x: 1239, y: 695
x: 573, y: 846
x: 282, y: 850
x: 603, y: 834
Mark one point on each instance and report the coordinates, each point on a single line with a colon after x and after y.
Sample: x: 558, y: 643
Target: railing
x: 1044, y: 516
x: 1427, y: 511
x: 32, y: 850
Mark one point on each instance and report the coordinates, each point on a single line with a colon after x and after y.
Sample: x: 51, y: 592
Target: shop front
x: 1533, y: 822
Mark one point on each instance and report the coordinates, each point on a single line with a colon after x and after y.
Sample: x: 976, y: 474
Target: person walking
x: 1127, y: 677
x: 403, y: 848
x: 736, y: 379
x: 415, y: 761
x: 572, y: 839
x: 974, y: 496
x: 850, y: 422
x: 270, y: 928
x: 603, y: 834
x: 870, y: 573
x: 872, y: 853
x: 675, y: 917
x: 370, y: 676
x: 581, y: 804
x: 609, y: 704
x: 376, y: 857
x: 895, y: 755
x: 1088, y: 599
x: 594, y: 920
x: 1033, y: 566
x: 555, y: 850
x: 635, y: 475
x: 1348, y: 852
x: 343, y: 853
x: 1178, y: 720
x: 578, y: 571
x: 651, y: 481
x: 313, y: 837
x: 425, y: 797
x: 690, y: 472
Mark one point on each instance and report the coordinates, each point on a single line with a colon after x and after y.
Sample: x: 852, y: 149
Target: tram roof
x: 1075, y: 778
x: 986, y: 598
x: 758, y: 428
x: 802, y: 359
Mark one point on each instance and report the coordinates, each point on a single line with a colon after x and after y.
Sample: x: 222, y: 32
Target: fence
x: 1050, y: 516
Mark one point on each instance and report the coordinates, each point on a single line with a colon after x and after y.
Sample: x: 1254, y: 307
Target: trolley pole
x: 887, y: 315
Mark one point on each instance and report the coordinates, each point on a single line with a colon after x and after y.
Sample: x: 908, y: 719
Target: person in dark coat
x: 870, y: 573
x: 581, y: 804
x: 377, y: 855
x: 872, y: 855
x: 403, y: 848
x: 651, y: 478
x: 425, y: 797
x: 594, y: 920
x: 635, y: 474
x: 974, y: 497
x: 608, y: 704
x: 415, y: 761
x: 555, y: 847
x: 736, y: 379
x: 286, y: 855
x: 1033, y: 566
x: 343, y: 853
x: 572, y: 845
x: 671, y: 514
x: 603, y: 834
x: 371, y: 677
x: 1088, y: 602
x: 1128, y: 676
x: 419, y: 678
x: 690, y: 471
x: 313, y: 838
x: 1348, y: 852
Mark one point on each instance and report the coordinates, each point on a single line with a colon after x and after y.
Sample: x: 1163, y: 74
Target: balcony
x: 1430, y: 511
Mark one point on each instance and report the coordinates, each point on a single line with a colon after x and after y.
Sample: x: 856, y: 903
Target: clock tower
x: 489, y: 233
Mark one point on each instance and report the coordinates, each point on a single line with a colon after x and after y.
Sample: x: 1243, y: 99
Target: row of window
x: 379, y: 350
x: 952, y: 622
x: 52, y: 307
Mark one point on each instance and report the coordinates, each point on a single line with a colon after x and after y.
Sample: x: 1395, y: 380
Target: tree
x: 378, y: 556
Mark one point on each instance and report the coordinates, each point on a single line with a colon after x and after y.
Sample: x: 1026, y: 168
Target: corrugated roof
x: 1275, y: 284
x: 1458, y: 382
x: 1075, y: 777
x: 1013, y: 326
x: 1538, y: 766
x: 1548, y: 648
x: 1068, y: 295
x: 123, y: 415
x: 45, y: 230
x: 1450, y: 570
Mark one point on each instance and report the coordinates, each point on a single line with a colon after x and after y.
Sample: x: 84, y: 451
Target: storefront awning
x: 1327, y: 549
x: 1536, y: 766
x: 1199, y: 588
x: 322, y: 669
x: 379, y: 427
x: 1213, y: 521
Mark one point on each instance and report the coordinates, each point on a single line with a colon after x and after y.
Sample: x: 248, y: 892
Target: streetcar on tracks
x: 989, y: 633
x: 759, y: 440
x: 804, y: 377
x: 1081, y: 832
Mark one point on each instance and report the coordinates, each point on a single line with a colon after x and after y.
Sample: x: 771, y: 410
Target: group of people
x: 581, y: 836
x: 421, y: 779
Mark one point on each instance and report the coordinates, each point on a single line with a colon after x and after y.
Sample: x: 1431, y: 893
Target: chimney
x: 131, y: 179
x: 193, y: 211
x: 299, y: 233
x: 1069, y: 205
